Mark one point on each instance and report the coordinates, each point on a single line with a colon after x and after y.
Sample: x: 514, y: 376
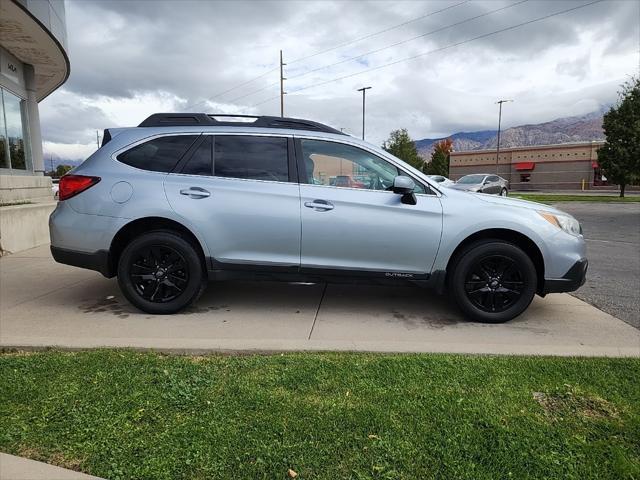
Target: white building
x: 33, y: 64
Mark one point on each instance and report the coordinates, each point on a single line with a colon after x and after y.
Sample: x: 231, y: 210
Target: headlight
x: 565, y: 222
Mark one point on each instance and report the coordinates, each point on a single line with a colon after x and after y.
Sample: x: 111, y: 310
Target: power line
x: 255, y: 91
x: 446, y: 47
x: 378, y: 32
x: 402, y: 42
x: 217, y: 95
x: 220, y: 94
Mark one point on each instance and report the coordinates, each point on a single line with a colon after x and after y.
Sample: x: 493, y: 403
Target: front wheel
x: 161, y: 272
x: 503, y: 192
x: 493, y: 281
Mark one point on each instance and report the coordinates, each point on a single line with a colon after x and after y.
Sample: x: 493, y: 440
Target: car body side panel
x: 465, y: 214
x: 369, y: 230
x: 242, y: 221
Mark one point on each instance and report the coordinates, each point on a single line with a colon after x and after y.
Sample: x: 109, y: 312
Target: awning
x: 525, y: 166
x: 595, y: 165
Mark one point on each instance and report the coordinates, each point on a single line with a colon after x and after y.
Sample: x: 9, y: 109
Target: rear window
x: 201, y: 162
x: 158, y: 155
x: 255, y: 158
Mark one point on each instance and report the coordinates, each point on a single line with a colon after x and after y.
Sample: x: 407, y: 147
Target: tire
x: 492, y: 281
x: 161, y: 272
x: 504, y: 192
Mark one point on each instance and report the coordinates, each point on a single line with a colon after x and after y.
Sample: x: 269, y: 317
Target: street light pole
x: 499, y: 102
x: 363, y: 90
x: 282, y: 92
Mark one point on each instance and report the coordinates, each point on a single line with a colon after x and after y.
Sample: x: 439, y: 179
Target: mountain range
x: 582, y: 128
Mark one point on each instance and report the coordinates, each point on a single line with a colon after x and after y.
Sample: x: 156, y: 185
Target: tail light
x: 72, y: 185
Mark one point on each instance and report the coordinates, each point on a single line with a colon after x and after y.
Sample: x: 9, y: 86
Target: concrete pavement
x: 45, y: 304
x: 612, y: 232
x: 18, y: 468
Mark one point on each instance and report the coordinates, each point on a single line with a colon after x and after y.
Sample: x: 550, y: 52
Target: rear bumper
x: 572, y: 280
x: 98, y: 261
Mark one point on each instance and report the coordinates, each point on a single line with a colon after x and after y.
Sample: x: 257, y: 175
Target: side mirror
x: 404, y: 186
x: 486, y: 182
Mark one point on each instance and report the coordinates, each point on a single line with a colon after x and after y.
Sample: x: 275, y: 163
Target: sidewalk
x: 45, y: 304
x: 18, y: 468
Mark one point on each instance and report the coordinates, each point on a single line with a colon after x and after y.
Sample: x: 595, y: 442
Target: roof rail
x: 203, y: 119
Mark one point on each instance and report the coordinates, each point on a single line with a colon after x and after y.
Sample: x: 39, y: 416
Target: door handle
x: 195, y: 192
x: 319, y: 205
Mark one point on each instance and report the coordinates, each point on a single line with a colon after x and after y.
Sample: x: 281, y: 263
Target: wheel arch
x: 144, y: 225
x: 517, y: 238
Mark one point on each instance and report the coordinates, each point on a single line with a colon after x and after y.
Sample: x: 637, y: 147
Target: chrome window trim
x: 114, y: 155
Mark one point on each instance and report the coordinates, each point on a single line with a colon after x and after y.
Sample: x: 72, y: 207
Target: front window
x: 340, y: 165
x: 12, y: 135
x: 471, y: 179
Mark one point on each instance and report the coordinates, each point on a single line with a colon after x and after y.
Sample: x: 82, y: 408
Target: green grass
x: 120, y: 414
x: 552, y: 198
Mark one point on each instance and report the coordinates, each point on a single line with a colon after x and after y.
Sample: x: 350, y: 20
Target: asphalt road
x: 612, y: 231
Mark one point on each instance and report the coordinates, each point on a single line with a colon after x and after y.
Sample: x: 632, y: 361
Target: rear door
x: 358, y: 224
x: 241, y: 192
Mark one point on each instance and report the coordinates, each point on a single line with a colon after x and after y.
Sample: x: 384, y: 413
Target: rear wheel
x: 503, y: 192
x: 161, y: 272
x: 493, y: 281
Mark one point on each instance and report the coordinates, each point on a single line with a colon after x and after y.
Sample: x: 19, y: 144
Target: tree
x: 402, y: 146
x: 619, y: 157
x: 439, y: 164
x: 62, y: 170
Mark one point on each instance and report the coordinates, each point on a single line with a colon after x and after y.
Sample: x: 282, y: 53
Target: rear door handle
x: 319, y: 205
x: 195, y: 192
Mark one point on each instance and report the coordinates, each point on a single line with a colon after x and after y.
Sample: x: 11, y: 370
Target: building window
x: 525, y: 177
x: 12, y: 137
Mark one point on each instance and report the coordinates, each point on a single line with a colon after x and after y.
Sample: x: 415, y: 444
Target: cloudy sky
x: 435, y: 66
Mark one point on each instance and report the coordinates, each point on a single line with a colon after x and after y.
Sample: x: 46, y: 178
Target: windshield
x: 471, y: 179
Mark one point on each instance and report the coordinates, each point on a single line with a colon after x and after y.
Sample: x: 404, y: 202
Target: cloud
x: 131, y: 59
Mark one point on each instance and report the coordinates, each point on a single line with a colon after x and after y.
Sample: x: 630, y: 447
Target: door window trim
x: 303, y: 176
x: 291, y: 157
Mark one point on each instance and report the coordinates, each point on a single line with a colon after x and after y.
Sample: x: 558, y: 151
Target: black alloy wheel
x: 161, y: 272
x: 492, y: 281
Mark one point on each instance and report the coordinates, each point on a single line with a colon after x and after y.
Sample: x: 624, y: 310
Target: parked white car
x: 442, y: 180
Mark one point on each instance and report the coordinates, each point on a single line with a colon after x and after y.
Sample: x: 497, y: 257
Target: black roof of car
x: 224, y: 120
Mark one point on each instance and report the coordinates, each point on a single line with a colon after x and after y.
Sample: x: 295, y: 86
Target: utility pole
x: 363, y: 90
x: 97, y: 138
x: 499, y: 102
x: 282, y: 92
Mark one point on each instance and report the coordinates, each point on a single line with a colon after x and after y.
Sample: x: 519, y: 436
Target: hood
x: 465, y: 186
x: 503, y: 201
x: 516, y: 202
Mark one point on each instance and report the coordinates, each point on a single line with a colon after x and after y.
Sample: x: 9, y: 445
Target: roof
x: 25, y: 36
x: 224, y: 120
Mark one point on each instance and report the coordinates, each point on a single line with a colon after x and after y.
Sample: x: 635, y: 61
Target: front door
x: 239, y: 192
x: 351, y: 221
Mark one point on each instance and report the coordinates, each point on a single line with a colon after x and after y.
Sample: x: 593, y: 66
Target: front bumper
x: 572, y: 280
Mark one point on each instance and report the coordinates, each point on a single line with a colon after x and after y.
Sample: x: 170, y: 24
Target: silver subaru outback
x: 186, y: 198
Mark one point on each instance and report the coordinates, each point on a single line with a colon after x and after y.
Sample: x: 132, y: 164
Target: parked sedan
x: 442, y: 180
x: 482, y: 183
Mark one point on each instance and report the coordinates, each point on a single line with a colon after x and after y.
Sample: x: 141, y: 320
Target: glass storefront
x: 12, y: 136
